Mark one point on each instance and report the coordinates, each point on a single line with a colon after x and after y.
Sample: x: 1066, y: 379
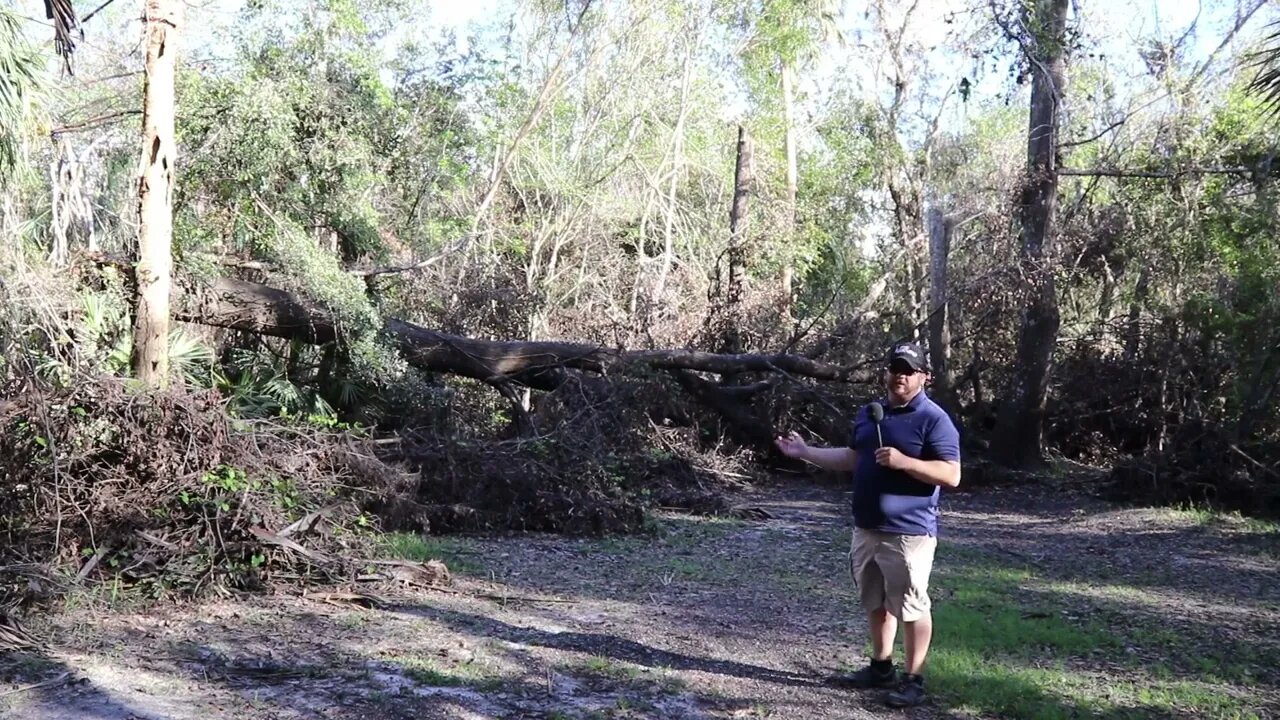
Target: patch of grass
x: 433, y: 673
x: 669, y: 682
x: 1183, y: 648
x: 354, y: 620
x: 1224, y: 519
x: 1006, y: 644
x: 686, y: 569
x: 421, y: 548
x: 610, y: 668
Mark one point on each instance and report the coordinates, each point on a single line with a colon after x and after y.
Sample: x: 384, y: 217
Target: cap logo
x: 907, y: 350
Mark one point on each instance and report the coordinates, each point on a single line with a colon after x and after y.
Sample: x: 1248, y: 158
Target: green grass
x: 1006, y: 644
x: 433, y: 673
x: 610, y: 668
x: 659, y: 679
x: 421, y: 548
x: 1224, y: 519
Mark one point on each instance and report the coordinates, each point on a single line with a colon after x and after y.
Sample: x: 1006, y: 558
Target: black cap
x: 910, y: 353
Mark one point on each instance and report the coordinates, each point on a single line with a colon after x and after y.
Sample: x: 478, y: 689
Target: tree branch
x: 94, y: 122
x: 1119, y: 172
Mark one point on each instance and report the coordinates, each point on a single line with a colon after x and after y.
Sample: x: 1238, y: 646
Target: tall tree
x: 940, y: 227
x: 1020, y: 442
x: 786, y: 37
x: 155, y: 194
x: 788, y: 115
x: 743, y: 180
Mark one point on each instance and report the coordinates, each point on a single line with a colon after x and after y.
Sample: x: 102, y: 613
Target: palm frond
x: 1266, y: 84
x: 120, y: 359
x: 20, y: 84
x: 189, y: 356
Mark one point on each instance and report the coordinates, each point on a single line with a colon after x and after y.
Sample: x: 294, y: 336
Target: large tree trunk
x: 250, y: 307
x: 788, y: 112
x: 155, y: 195
x: 939, y: 319
x: 731, y: 334
x: 1019, y: 442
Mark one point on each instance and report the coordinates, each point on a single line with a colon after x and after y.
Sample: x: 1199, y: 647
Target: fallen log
x: 252, y: 307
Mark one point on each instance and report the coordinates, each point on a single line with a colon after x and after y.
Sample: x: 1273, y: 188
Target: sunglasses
x: 903, y: 370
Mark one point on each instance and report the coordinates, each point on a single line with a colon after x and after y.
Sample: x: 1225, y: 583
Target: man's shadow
x: 608, y: 646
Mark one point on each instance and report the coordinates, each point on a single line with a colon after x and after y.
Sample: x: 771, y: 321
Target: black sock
x: 882, y: 666
x: 917, y: 679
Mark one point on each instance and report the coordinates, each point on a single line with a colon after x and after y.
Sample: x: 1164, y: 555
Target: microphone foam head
x: 876, y: 412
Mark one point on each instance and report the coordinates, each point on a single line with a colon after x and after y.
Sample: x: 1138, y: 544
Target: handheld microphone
x: 876, y: 412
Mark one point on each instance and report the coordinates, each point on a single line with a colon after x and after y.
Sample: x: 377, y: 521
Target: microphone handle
x: 879, y: 436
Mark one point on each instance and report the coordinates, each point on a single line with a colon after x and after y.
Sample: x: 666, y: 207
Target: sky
x: 1118, y: 24
x: 1115, y: 28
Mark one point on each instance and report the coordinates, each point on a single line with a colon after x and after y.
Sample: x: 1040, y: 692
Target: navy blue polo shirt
x: 891, y: 500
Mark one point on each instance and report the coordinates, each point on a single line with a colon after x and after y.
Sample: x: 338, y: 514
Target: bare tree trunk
x: 1133, y: 332
x: 790, y: 142
x: 1107, y: 301
x: 939, y: 319
x: 677, y: 153
x: 57, y: 215
x: 155, y: 195
x: 907, y: 229
x: 1019, y: 442
x: 742, y: 181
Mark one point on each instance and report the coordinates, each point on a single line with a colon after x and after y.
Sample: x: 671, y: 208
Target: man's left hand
x: 892, y: 458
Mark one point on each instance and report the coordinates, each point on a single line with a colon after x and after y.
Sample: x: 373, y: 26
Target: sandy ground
x: 706, y: 619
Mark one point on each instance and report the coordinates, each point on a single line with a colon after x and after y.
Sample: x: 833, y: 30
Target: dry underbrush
x: 164, y: 493
x: 603, y: 453
x: 1203, y: 468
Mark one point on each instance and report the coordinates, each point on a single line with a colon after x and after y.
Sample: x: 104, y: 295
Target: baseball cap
x: 911, y: 354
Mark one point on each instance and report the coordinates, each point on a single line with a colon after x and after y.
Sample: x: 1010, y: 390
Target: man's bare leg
x: 884, y: 627
x: 915, y: 640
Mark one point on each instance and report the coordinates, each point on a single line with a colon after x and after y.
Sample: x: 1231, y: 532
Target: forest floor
x: 1048, y: 603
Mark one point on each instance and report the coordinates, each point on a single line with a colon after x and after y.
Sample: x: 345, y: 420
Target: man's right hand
x: 792, y: 445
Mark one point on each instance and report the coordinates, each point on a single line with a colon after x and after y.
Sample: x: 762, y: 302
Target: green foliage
x: 453, y: 552
x: 21, y: 84
x: 101, y: 342
x: 781, y: 32
x: 258, y: 385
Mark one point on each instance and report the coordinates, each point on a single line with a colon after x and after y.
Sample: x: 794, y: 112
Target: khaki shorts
x: 892, y: 572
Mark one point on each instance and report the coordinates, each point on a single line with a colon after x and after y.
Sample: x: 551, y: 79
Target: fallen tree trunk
x: 251, y: 307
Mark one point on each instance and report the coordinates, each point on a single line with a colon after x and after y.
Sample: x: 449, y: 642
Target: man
x: 898, y: 471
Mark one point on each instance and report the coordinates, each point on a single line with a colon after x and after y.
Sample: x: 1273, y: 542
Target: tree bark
x: 250, y: 307
x: 1020, y: 438
x: 155, y: 195
x: 1133, y: 327
x: 939, y: 318
x: 908, y: 223
x: 742, y: 182
x: 788, y: 112
x: 677, y: 161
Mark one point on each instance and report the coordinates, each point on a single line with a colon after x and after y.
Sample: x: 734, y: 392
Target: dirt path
x: 704, y: 619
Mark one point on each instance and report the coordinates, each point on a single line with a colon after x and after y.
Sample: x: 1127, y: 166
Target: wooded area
x: 592, y: 258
